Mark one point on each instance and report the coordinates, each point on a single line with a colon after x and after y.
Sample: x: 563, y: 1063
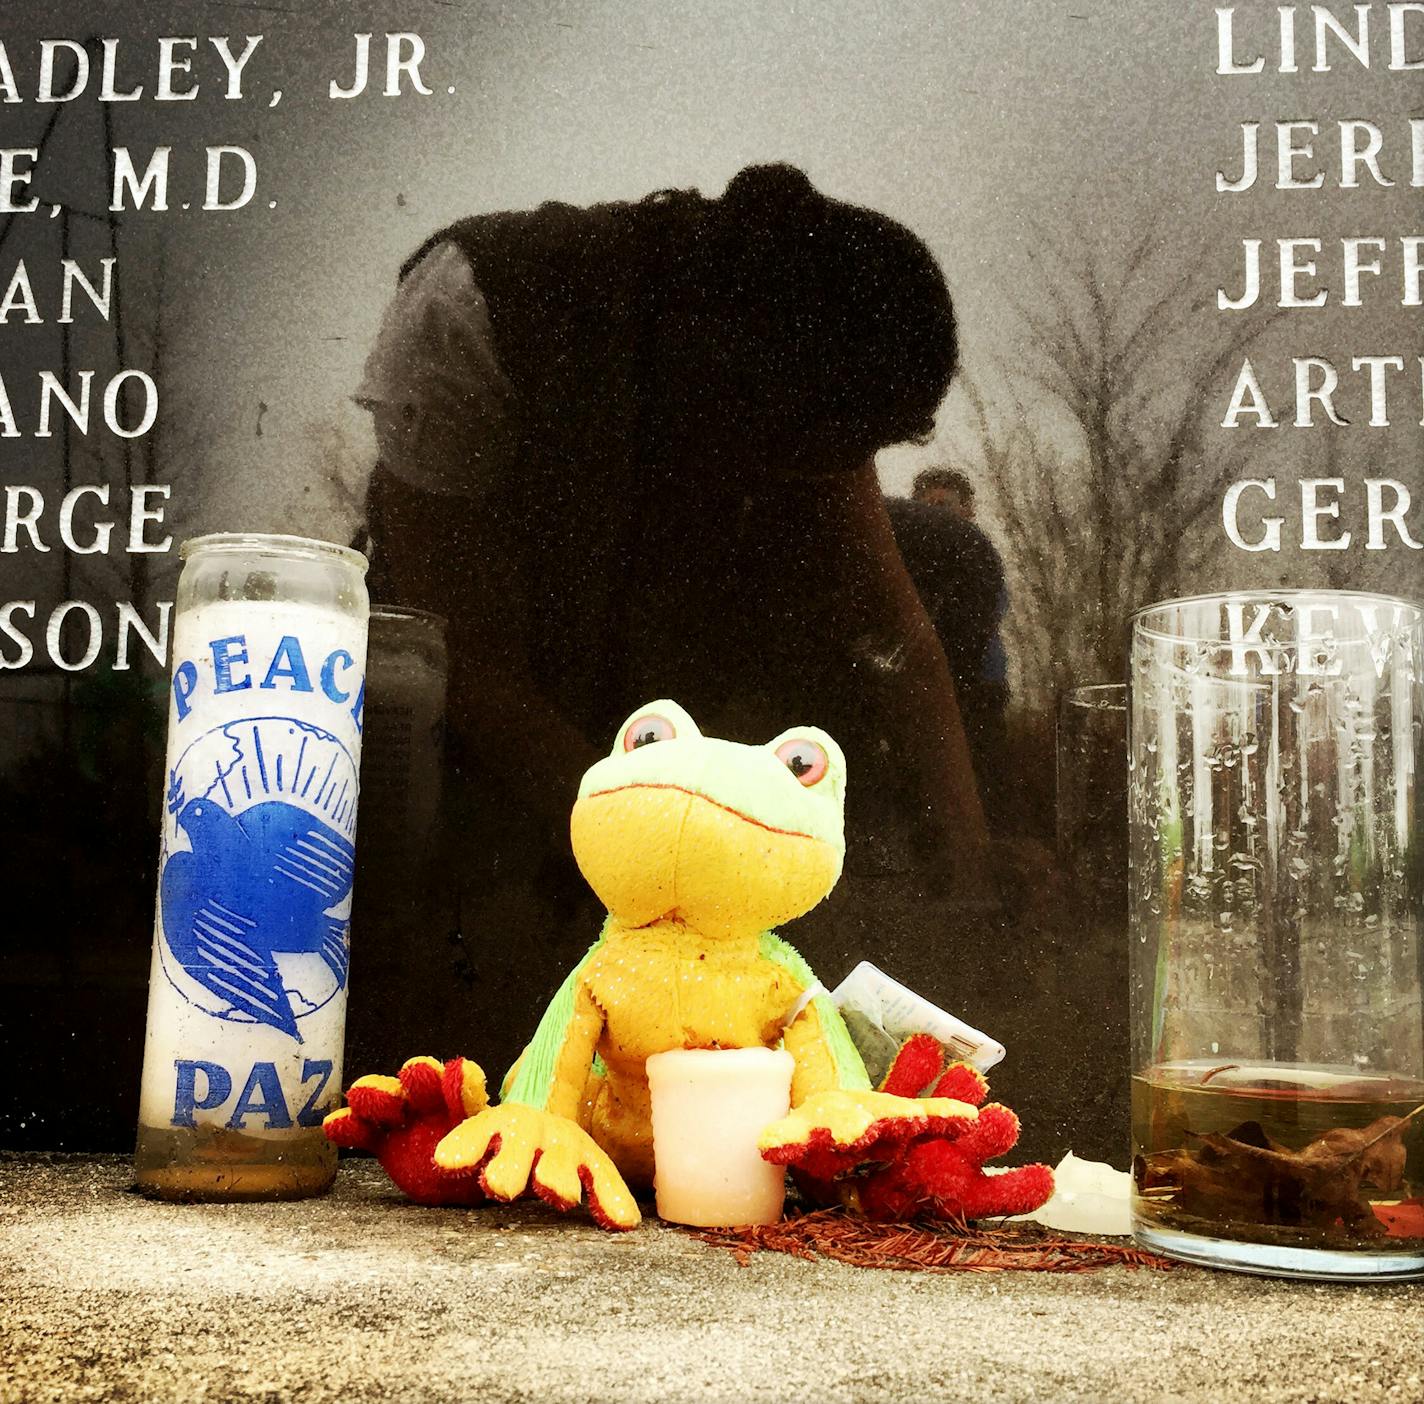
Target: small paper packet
x: 881, y: 1014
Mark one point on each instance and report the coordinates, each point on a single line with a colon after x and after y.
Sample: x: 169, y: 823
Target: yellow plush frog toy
x: 698, y: 847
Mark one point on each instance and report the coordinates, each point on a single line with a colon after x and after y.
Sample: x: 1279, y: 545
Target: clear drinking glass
x: 1091, y: 810
x: 1092, y: 798
x: 401, y: 933
x: 1278, y: 1043
x: 402, y: 753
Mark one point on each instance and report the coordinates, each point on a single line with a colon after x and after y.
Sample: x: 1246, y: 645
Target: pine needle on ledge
x: 927, y: 1247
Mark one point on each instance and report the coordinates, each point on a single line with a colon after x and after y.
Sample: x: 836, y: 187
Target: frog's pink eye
x: 644, y: 730
x: 804, y: 759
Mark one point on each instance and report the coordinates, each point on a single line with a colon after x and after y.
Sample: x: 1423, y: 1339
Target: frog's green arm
x: 552, y: 1071
x: 817, y: 1038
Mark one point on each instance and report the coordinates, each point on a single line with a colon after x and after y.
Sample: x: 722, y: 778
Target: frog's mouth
x: 706, y: 799
x: 652, y: 850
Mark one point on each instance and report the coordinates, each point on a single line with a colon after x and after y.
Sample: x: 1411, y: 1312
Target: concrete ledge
x: 360, y: 1296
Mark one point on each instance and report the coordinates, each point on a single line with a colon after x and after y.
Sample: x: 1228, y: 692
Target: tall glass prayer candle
x: 247, y: 990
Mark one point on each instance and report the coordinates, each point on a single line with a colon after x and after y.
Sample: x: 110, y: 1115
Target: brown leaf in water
x: 1246, y: 1176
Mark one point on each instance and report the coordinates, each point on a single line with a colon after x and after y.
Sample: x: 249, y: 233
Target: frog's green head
x: 731, y: 839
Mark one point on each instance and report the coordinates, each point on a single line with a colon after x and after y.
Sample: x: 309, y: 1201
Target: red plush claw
x: 936, y: 1172
x: 943, y: 1178
x: 400, y: 1120
x: 995, y: 1133
x: 916, y: 1065
x: 963, y: 1082
x: 834, y: 1133
x: 937, y: 1179
x: 919, y: 1070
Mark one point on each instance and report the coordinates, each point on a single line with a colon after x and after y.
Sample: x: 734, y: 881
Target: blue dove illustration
x: 254, y: 884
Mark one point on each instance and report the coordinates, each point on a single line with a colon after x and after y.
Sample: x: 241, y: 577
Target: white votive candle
x: 709, y: 1107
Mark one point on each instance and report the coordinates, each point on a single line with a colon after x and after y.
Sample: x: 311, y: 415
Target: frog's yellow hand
x: 831, y: 1133
x: 514, y: 1148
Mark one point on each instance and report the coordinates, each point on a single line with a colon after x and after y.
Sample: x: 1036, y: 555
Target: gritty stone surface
x: 361, y: 1296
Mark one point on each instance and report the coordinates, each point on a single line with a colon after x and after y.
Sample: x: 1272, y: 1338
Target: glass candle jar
x: 402, y: 752
x: 247, y: 990
x: 400, y: 924
x: 1278, y: 1043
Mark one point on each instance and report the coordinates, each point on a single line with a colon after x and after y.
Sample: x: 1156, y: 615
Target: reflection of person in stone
x: 629, y: 450
x: 960, y: 579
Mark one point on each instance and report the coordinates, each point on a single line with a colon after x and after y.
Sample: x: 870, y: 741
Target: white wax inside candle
x: 709, y: 1108
x: 249, y: 745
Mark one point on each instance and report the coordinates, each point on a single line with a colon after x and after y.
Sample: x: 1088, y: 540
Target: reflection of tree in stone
x: 1095, y: 460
